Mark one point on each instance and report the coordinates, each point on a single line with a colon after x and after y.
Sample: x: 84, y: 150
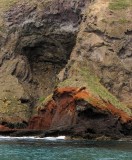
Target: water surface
x: 57, y: 149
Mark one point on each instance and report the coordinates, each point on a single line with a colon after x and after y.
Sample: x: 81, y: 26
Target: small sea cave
x: 91, y: 113
x: 46, y: 58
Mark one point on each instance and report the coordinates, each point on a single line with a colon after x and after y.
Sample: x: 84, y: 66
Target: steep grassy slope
x: 104, y: 42
x: 82, y: 76
x: 120, y: 4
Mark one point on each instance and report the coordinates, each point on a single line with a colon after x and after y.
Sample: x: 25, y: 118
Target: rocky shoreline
x: 65, y: 69
x: 75, y: 113
x: 42, y: 134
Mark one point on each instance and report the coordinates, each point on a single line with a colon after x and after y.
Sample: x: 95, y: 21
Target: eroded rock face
x: 105, y: 41
x: 40, y: 38
x: 43, y: 40
x: 75, y: 112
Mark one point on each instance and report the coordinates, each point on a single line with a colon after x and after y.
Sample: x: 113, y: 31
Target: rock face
x: 39, y: 38
x: 64, y: 43
x: 104, y: 45
x: 76, y: 112
x: 3, y: 128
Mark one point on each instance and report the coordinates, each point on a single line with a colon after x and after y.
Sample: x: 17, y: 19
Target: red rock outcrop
x: 42, y: 42
x: 3, y: 128
x: 38, y: 38
x: 78, y: 111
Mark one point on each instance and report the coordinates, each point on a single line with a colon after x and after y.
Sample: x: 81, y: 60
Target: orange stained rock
x: 124, y: 117
x: 63, y: 106
x: 66, y: 89
x: 94, y: 101
x: 3, y: 128
x: 82, y: 94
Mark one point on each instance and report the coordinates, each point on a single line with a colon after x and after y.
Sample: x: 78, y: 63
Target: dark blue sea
x: 30, y: 148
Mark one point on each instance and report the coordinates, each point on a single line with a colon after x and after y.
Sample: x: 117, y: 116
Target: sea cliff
x: 66, y: 64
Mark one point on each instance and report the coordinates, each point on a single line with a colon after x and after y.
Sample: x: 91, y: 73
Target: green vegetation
x: 120, y: 4
x: 124, y: 21
x: 41, y: 99
x: 83, y: 77
x: 45, y: 100
x: 12, y: 108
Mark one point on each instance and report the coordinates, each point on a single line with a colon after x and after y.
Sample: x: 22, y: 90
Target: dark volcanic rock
x: 38, y: 43
x: 71, y: 113
x: 49, y: 43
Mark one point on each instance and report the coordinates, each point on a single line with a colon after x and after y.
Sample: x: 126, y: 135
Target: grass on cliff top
x: 120, y: 4
x: 82, y: 77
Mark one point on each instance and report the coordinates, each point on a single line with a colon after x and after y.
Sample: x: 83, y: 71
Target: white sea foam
x: 55, y: 138
x: 31, y: 137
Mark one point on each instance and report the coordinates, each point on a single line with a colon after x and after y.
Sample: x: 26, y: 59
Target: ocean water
x: 30, y: 148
